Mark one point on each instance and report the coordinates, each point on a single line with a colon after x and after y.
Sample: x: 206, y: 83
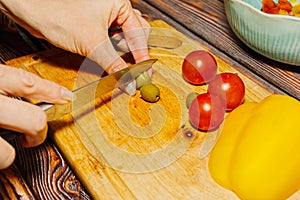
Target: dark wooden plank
x: 207, y: 20
x: 47, y: 173
x: 40, y: 172
x: 12, y: 46
x: 13, y: 185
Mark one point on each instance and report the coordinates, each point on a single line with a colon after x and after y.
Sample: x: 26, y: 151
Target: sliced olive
x: 150, y: 92
x: 143, y: 79
x: 129, y: 88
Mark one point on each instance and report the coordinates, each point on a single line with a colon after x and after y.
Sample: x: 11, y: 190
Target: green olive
x: 150, y: 92
x: 190, y: 98
x: 143, y: 79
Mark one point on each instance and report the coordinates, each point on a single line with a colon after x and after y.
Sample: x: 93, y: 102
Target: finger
x: 25, y: 118
x: 117, y: 35
x: 122, y: 45
x: 135, y: 35
x: 18, y: 82
x: 107, y: 57
x: 146, y: 26
x: 7, y: 155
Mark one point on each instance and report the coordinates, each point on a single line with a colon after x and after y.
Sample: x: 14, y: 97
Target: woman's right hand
x: 82, y: 27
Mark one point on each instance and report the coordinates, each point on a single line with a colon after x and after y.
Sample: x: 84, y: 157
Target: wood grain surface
x: 34, y: 175
x: 130, y: 149
x: 41, y: 172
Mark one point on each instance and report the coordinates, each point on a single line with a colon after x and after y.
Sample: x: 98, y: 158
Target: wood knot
x: 73, y: 187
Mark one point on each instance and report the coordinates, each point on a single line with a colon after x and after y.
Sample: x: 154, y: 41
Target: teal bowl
x: 274, y: 36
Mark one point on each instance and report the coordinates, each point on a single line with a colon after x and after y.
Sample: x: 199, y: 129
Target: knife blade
x: 98, y: 88
x: 88, y: 93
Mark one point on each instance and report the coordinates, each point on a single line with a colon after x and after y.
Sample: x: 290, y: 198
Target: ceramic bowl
x: 274, y: 36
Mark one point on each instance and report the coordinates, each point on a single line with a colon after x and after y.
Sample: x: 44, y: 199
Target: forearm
x: 34, y: 15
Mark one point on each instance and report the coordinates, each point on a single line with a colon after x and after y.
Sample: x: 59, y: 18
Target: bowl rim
x: 275, y: 16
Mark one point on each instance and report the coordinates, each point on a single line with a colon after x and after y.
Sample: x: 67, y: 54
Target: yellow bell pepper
x: 257, y: 155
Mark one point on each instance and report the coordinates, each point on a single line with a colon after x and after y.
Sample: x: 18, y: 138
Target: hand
x: 21, y: 116
x: 82, y: 27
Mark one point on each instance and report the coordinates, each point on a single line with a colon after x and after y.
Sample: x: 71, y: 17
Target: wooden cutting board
x: 126, y: 148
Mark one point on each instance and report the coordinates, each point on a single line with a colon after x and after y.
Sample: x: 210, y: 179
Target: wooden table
x: 43, y: 173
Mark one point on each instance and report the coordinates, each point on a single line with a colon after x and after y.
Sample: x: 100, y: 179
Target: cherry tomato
x: 199, y: 67
x: 207, y: 112
x: 230, y: 87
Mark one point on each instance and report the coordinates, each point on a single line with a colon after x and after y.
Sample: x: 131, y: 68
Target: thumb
x: 7, y: 154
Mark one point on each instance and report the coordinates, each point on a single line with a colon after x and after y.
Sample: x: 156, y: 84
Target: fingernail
x: 67, y: 94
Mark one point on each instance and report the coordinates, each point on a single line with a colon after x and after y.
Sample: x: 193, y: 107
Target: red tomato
x: 230, y: 87
x: 207, y: 112
x: 199, y: 67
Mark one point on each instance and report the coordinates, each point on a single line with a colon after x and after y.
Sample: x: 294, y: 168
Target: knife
x: 88, y: 93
